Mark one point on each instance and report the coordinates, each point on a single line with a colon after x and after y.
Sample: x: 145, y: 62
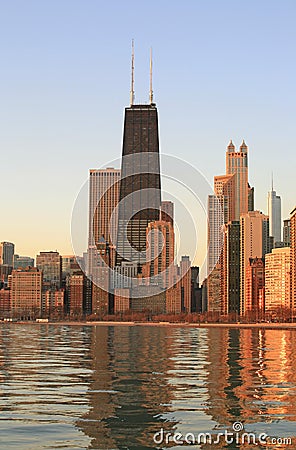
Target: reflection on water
x: 114, y: 387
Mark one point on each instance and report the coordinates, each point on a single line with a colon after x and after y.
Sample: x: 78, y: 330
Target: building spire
x: 272, y: 181
x: 151, y: 90
x: 132, y: 92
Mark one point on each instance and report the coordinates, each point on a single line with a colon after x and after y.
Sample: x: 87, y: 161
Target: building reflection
x: 129, y: 393
x: 252, y: 378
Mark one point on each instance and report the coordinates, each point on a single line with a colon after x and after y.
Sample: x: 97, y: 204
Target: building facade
x: 25, y: 291
x: 6, y: 253
x: 140, y: 195
x: 254, y: 243
x: 293, y: 260
x: 50, y: 263
x: 103, y: 212
x: 275, y: 215
x: 277, y: 279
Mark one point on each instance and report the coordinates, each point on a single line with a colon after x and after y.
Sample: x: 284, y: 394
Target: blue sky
x: 222, y: 70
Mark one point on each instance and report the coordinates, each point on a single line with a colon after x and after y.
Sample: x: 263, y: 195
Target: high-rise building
x: 277, y: 279
x: 160, y: 253
x: 254, y: 243
x: 237, y: 165
x: 6, y: 253
x: 233, y: 197
x: 25, y: 291
x: 287, y: 233
x: 167, y: 211
x: 251, y: 198
x: 231, y: 268
x: 274, y: 213
x: 293, y: 260
x: 140, y: 196
x: 21, y: 262
x: 185, y: 275
x: 217, y: 206
x: 50, y: 263
x: 103, y: 212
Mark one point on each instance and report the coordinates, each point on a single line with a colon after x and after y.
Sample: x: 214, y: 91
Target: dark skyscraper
x: 140, y: 196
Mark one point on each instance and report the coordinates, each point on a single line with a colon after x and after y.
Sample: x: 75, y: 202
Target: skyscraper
x: 274, y: 213
x: 103, y: 200
x: 231, y: 268
x: 140, y: 196
x: 237, y: 164
x: 287, y: 233
x: 160, y: 253
x: 233, y: 197
x: 254, y: 243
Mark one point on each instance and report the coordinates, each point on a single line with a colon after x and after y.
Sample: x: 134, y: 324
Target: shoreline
x: 277, y: 325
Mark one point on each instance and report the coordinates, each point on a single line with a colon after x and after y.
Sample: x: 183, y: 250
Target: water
x: 114, y: 387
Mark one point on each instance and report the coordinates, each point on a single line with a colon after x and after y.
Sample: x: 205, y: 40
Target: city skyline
x: 240, y: 86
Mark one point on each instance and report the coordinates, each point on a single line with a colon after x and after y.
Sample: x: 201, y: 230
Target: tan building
x: 237, y: 165
x: 233, y: 197
x: 26, y: 290
x: 254, y: 243
x: 293, y: 258
x: 277, y: 279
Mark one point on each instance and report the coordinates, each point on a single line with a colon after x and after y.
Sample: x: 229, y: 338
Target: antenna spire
x: 272, y: 181
x: 150, y: 90
x: 132, y: 92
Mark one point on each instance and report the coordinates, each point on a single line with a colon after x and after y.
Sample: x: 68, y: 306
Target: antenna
x: 272, y: 181
x: 151, y: 91
x: 132, y: 93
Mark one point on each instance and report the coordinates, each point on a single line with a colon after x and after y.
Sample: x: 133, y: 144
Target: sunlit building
x: 293, y: 259
x: 103, y: 213
x: 254, y: 243
x: 274, y: 213
x: 160, y: 252
x: 277, y: 279
x: 25, y: 290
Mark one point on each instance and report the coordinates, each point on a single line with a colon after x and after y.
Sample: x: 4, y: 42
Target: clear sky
x: 222, y: 70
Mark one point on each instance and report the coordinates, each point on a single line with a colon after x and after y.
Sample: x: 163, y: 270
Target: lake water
x: 127, y: 387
